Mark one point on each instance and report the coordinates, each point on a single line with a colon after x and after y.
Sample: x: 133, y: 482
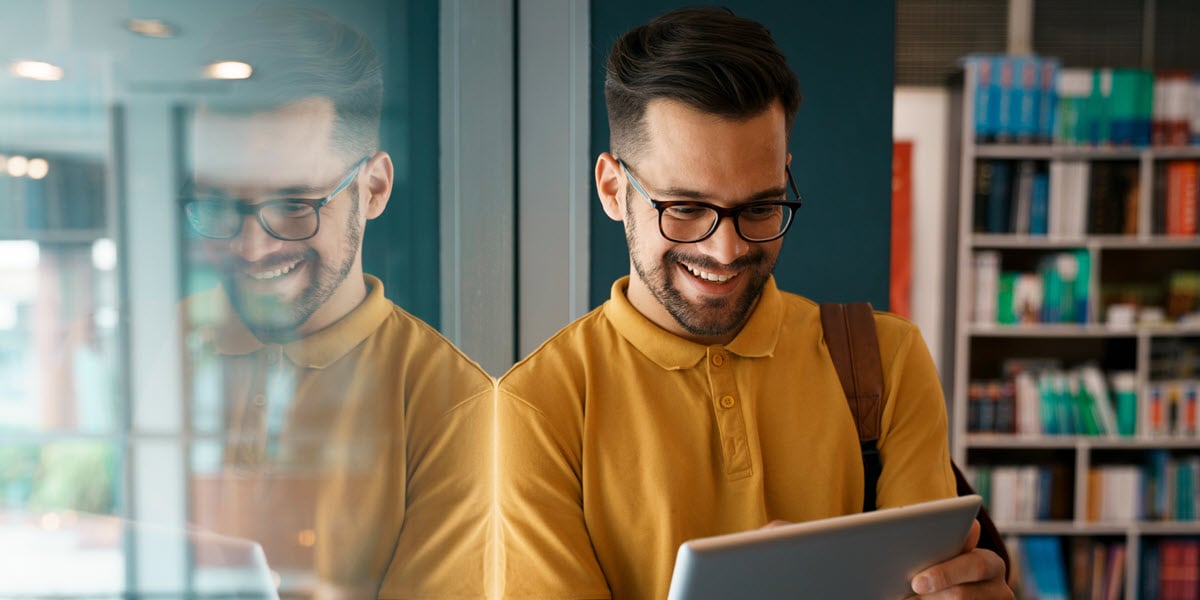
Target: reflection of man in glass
x: 357, y: 437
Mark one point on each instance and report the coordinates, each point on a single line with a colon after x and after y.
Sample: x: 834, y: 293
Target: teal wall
x: 841, y: 145
x: 401, y: 246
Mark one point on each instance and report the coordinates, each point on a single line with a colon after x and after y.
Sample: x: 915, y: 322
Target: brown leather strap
x: 849, y: 331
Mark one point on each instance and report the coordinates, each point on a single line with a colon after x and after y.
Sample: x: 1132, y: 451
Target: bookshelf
x: 1055, y: 477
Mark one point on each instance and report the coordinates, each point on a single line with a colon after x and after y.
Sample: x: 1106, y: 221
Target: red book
x: 1183, y: 186
x: 900, y: 294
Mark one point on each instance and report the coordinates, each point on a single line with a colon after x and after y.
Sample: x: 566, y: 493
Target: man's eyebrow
x: 190, y: 184
x: 689, y: 194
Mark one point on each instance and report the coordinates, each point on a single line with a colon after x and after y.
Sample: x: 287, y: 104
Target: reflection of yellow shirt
x: 361, y: 452
x: 619, y: 441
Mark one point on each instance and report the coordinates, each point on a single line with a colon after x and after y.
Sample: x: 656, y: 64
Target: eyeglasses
x: 219, y: 217
x: 686, y: 222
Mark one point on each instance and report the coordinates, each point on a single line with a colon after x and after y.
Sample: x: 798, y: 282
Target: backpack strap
x: 849, y: 332
x: 850, y: 336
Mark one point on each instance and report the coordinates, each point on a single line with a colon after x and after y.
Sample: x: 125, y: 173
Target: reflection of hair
x: 300, y: 53
x: 705, y: 57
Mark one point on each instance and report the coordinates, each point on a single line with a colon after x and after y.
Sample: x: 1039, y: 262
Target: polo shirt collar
x: 669, y: 351
x: 317, y: 350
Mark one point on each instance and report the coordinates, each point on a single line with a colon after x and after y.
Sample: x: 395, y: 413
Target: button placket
x: 730, y: 421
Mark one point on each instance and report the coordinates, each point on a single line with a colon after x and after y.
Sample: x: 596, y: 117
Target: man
x: 357, y: 441
x: 699, y: 399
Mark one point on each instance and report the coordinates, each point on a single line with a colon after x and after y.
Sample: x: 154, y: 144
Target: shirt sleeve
x: 546, y: 549
x: 913, y: 444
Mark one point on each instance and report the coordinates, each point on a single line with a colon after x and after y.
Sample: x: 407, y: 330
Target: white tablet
x: 868, y: 555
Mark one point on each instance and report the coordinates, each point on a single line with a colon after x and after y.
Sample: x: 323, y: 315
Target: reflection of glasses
x: 686, y: 221
x: 219, y: 217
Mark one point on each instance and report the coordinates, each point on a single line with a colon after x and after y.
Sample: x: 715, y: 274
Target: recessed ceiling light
x: 154, y: 28
x: 38, y: 168
x: 18, y: 166
x: 34, y: 69
x: 228, y: 69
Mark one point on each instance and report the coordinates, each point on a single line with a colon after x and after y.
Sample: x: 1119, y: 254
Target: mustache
x: 236, y: 263
x: 752, y: 259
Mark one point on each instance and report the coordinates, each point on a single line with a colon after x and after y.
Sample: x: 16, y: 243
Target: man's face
x: 283, y: 289
x: 703, y: 291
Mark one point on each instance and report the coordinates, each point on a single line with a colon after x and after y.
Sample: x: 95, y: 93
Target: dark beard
x: 271, y: 319
x: 710, y: 318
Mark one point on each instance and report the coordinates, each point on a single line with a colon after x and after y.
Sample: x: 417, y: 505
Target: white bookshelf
x: 977, y: 346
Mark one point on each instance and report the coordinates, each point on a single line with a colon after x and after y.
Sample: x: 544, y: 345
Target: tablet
x: 867, y: 555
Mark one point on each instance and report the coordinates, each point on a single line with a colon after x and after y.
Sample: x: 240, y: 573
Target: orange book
x: 900, y: 292
x: 1183, y: 186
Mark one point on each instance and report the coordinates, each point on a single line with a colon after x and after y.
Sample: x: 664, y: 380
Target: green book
x: 1005, y: 313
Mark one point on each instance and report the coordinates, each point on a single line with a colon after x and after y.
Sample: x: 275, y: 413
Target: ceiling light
x: 154, y: 28
x: 38, y: 167
x: 229, y: 69
x: 34, y: 69
x: 18, y: 166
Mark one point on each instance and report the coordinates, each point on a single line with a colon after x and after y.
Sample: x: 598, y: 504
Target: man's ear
x: 379, y: 175
x: 610, y: 185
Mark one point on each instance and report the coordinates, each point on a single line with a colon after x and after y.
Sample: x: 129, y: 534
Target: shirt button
x: 718, y: 359
x: 259, y: 400
x: 727, y: 402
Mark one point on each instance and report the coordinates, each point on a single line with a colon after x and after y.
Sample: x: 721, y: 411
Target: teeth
x: 280, y: 272
x: 705, y: 275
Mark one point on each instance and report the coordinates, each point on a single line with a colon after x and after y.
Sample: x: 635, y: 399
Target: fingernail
x: 923, y: 584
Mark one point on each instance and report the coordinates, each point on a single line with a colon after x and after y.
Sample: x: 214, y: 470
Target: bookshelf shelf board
x: 1082, y: 442
x: 1176, y: 152
x: 1061, y: 528
x: 1050, y: 152
x: 1014, y: 240
x: 1040, y: 242
x: 1008, y: 440
x: 1167, y: 527
x: 1047, y: 152
x: 1049, y: 330
x: 1168, y: 331
x: 59, y: 236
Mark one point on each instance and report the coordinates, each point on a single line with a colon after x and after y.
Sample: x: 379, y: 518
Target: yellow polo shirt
x: 618, y: 441
x: 361, y: 453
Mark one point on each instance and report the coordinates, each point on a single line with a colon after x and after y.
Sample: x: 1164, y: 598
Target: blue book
x: 1039, y: 214
x: 1000, y: 198
x: 1149, y: 571
x: 1025, y: 102
x: 1004, y: 125
x: 1049, y: 570
x: 1047, y: 98
x: 980, y: 69
x: 1156, y: 500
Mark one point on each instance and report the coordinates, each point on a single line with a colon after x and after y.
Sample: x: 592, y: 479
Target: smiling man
x: 355, y: 441
x: 700, y: 399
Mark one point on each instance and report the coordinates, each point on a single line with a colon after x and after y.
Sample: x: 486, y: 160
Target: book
x: 1026, y: 78
x: 1000, y: 198
x: 1114, y: 585
x: 1047, y: 98
x: 1074, y: 88
x: 900, y: 288
x: 1183, y: 187
x: 987, y: 286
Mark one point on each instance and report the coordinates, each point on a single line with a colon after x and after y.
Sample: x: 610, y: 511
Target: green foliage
x: 74, y: 475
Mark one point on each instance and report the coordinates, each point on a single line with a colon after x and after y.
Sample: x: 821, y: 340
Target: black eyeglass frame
x: 722, y: 212
x: 245, y: 209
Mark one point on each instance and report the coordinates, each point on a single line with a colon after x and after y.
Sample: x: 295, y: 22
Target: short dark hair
x: 705, y: 57
x: 299, y: 53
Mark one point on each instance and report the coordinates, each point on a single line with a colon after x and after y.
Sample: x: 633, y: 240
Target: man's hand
x: 975, y: 573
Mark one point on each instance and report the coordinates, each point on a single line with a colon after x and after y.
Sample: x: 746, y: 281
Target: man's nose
x: 253, y: 243
x: 725, y: 245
